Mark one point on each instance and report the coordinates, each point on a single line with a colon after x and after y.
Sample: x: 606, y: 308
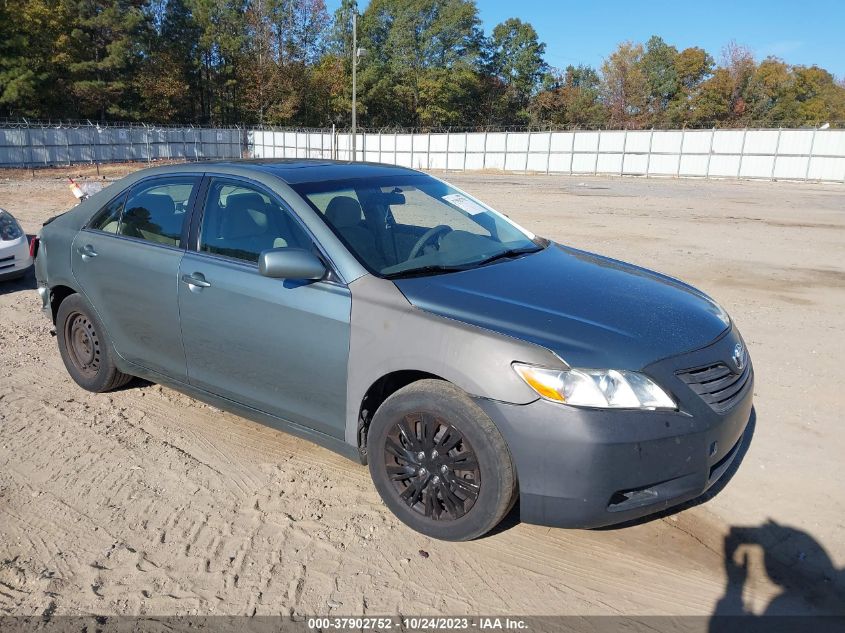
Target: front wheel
x: 439, y: 463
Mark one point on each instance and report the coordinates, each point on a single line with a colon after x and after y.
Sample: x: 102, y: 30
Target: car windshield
x: 415, y: 225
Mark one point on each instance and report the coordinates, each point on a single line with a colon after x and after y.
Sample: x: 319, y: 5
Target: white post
x: 680, y: 152
x: 505, y: 159
x: 466, y: 142
x: 412, y: 149
x: 379, y: 146
x: 775, y: 157
x: 572, y: 151
x: 810, y: 156
x: 648, y: 157
x: 147, y: 136
x: 741, y: 153
x: 527, y: 152
x: 598, y: 149
x: 447, y: 149
x: 484, y: 152
x: 624, y: 146
x: 549, y: 154
x: 710, y: 153
x: 395, y: 158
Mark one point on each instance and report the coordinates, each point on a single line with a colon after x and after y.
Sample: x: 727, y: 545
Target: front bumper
x: 14, y: 258
x: 584, y: 468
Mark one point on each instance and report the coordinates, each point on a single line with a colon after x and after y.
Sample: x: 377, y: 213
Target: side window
x: 108, y: 218
x: 155, y: 211
x: 240, y: 222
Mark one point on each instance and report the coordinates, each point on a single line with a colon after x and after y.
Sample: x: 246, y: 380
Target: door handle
x: 87, y: 252
x: 197, y: 280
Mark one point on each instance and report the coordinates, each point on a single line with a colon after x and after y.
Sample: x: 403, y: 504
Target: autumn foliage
x: 429, y: 64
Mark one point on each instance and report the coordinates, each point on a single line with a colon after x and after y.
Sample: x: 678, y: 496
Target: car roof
x: 294, y: 171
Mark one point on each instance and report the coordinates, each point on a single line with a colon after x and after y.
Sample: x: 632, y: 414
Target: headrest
x: 158, y: 205
x: 245, y: 215
x: 343, y: 212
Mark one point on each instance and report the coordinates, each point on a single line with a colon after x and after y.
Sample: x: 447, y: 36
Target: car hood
x: 590, y: 310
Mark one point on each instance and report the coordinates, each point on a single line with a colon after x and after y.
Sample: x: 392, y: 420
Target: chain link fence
x: 44, y: 144
x: 811, y: 154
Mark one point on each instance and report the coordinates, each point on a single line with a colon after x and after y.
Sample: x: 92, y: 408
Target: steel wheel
x: 432, y: 466
x: 83, y: 345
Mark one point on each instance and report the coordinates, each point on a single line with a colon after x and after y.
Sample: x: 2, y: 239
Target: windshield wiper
x: 424, y: 270
x: 511, y: 252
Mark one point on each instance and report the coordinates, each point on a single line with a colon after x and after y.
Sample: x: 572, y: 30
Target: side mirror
x: 290, y: 263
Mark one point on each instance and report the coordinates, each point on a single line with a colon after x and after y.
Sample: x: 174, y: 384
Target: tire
x: 457, y: 493
x: 86, y: 351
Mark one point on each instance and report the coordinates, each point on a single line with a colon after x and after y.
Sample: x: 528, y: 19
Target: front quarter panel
x: 388, y: 334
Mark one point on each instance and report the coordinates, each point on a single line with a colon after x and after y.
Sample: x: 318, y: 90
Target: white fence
x: 805, y: 154
x: 24, y: 146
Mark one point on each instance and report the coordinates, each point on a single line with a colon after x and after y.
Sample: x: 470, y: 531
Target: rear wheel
x: 439, y: 463
x: 85, y: 350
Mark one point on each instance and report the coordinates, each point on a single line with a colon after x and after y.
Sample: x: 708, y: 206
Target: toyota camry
x: 391, y: 317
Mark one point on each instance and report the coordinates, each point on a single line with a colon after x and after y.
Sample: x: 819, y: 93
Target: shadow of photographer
x: 801, y: 568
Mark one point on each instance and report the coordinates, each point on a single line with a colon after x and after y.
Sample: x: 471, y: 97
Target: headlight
x: 9, y: 228
x: 602, y: 388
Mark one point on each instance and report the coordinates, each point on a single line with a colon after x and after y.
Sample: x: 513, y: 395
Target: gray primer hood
x: 591, y: 310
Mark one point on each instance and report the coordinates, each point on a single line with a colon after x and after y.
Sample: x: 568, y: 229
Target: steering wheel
x: 435, y: 231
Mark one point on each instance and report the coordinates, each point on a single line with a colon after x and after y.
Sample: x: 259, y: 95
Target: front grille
x: 7, y: 262
x: 717, y: 385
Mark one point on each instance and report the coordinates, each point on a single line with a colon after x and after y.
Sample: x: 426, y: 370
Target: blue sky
x: 800, y: 32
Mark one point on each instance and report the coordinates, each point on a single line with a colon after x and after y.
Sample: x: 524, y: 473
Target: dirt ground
x: 144, y: 501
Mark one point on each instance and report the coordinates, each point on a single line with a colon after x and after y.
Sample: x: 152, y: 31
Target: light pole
x: 357, y: 53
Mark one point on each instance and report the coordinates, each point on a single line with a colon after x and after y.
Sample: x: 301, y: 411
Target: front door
x: 127, y: 264
x: 279, y: 346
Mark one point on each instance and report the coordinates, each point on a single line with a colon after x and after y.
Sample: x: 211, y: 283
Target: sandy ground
x: 144, y: 501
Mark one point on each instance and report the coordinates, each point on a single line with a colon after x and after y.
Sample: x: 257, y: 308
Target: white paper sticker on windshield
x: 462, y: 202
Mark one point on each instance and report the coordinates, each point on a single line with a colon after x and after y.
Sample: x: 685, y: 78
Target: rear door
x: 276, y: 345
x: 127, y: 263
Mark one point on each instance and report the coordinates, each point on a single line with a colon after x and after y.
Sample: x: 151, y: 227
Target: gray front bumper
x: 585, y: 468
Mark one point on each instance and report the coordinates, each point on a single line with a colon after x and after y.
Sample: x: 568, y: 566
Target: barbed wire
x: 23, y: 123
x: 74, y: 124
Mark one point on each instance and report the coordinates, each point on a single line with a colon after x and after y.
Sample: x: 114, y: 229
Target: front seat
x: 244, y: 230
x: 345, y: 215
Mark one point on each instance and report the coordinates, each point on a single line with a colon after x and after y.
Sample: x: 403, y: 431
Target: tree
x: 169, y: 75
x: 340, y: 35
x: 662, y: 83
x: 572, y: 100
x: 769, y: 94
x: 692, y: 66
x: 516, y: 58
x: 32, y: 74
x: 624, y: 85
x: 407, y: 40
x: 820, y: 99
x: 739, y: 63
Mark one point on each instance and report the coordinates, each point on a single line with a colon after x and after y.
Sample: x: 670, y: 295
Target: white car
x: 15, y: 258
